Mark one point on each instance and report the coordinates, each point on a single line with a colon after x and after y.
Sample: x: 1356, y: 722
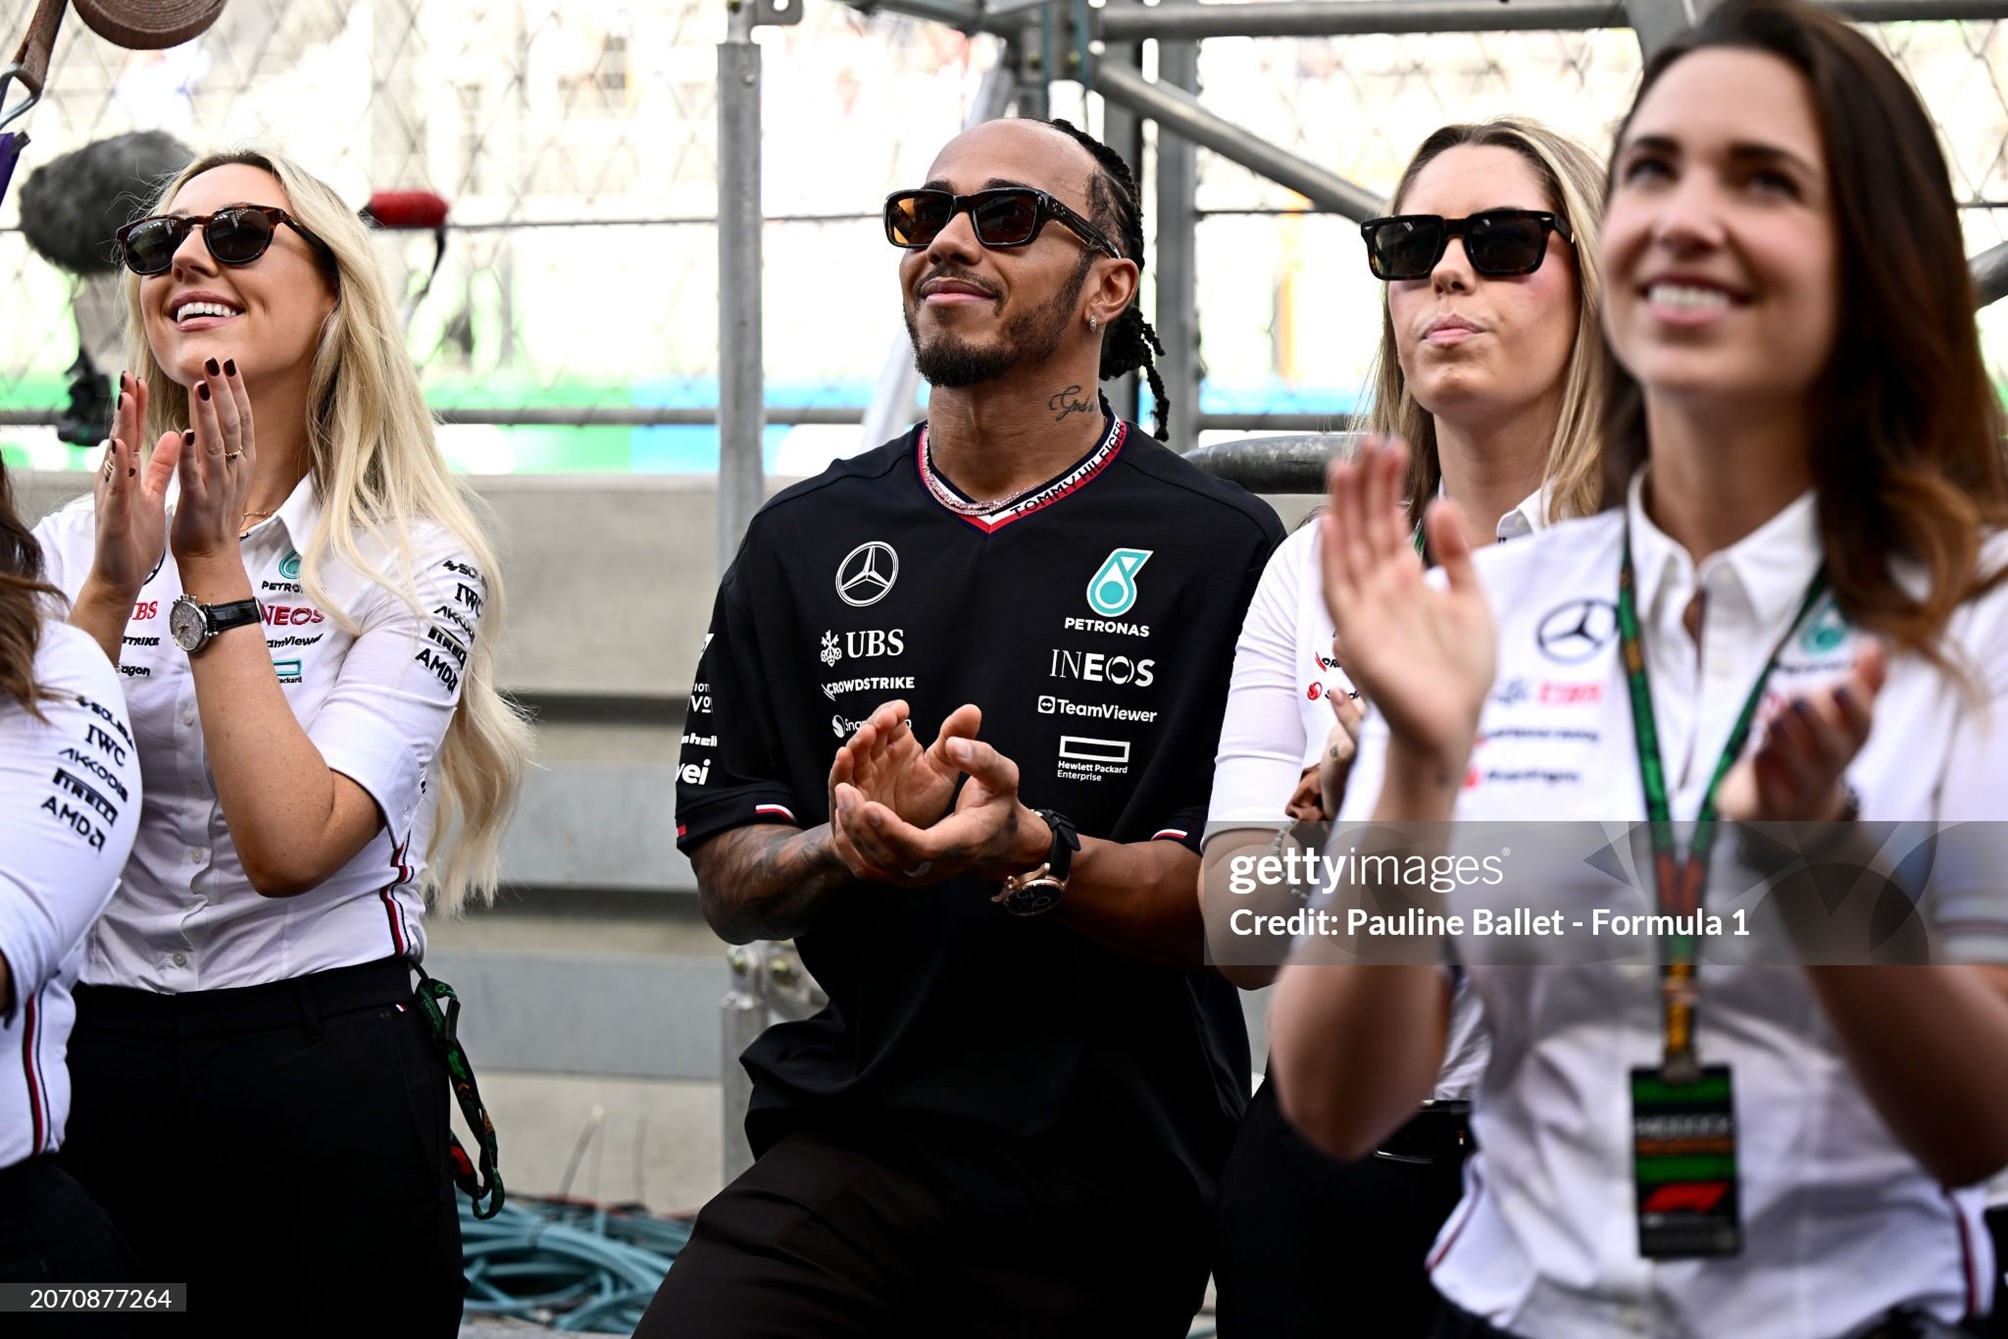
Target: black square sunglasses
x: 1499, y: 242
x: 1005, y: 216
x: 235, y: 236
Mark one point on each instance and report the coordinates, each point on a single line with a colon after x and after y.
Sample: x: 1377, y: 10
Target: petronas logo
x: 289, y: 566
x: 1113, y: 589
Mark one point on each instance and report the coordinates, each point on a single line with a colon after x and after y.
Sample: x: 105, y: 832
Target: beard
x: 1030, y: 337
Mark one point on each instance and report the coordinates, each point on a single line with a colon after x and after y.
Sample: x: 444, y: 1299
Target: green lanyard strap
x: 1679, y: 885
x: 442, y: 1011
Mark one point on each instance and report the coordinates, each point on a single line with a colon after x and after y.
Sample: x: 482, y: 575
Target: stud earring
x: 1094, y: 322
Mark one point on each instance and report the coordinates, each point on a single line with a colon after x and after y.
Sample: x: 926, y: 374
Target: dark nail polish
x: 229, y: 367
x: 1843, y: 696
x: 188, y: 437
x: 130, y: 471
x: 211, y: 368
x: 1801, y: 708
x: 202, y: 389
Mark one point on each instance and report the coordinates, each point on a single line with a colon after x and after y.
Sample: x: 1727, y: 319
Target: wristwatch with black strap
x: 1040, y: 889
x: 193, y: 624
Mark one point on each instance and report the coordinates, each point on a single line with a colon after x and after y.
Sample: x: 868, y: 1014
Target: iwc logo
x: 866, y: 574
x: 1112, y: 590
x: 1577, y: 630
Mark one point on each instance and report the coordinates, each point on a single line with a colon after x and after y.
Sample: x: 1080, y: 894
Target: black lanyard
x: 1680, y: 886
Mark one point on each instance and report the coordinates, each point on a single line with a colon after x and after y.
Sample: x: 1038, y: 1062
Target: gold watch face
x: 1033, y: 897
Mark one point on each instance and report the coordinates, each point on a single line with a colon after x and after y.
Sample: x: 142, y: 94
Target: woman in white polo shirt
x: 304, y: 611
x: 1491, y: 361
x: 70, y: 793
x: 1806, y: 535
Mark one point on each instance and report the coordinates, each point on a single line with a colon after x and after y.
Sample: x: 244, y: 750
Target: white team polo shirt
x: 1840, y: 1222
x: 1277, y: 719
x: 373, y: 678
x: 70, y: 787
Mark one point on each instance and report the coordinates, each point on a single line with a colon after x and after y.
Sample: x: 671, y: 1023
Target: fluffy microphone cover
x: 71, y: 205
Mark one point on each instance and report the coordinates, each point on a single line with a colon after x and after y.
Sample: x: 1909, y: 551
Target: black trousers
x: 1997, y: 1228
x: 1307, y: 1247
x: 52, y: 1232
x: 282, y: 1149
x: 859, y: 1236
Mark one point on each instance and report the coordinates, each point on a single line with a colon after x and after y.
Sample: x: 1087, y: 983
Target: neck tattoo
x: 1067, y: 402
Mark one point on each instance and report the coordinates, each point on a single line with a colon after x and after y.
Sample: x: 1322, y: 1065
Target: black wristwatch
x: 1039, y: 890
x: 192, y: 623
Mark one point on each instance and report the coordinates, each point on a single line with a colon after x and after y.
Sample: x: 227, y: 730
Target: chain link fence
x: 575, y: 140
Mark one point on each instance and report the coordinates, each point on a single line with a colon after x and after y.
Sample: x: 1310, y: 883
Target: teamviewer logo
x: 1048, y: 705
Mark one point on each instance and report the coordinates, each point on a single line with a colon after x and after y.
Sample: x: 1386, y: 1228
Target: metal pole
x: 1190, y: 20
x: 1990, y: 274
x: 1181, y: 111
x: 1177, y: 252
x: 1122, y: 130
x: 744, y: 1018
x: 1657, y: 22
x: 741, y: 389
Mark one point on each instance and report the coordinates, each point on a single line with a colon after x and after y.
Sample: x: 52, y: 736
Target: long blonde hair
x: 378, y: 471
x: 1573, y: 181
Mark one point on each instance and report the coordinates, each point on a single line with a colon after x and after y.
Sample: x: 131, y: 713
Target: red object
x: 1695, y: 1196
x: 421, y: 211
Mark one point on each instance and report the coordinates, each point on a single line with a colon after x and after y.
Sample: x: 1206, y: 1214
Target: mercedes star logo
x: 1577, y: 630
x: 866, y: 574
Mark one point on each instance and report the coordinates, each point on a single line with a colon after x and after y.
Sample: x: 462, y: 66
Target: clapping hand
x: 889, y: 802
x: 1423, y: 655
x: 131, y: 496
x: 217, y: 460
x: 1794, y: 774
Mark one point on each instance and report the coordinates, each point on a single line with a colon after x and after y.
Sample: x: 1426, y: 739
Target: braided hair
x: 1114, y: 206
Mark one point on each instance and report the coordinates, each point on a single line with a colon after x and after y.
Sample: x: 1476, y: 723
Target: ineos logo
x: 1574, y: 632
x: 866, y: 574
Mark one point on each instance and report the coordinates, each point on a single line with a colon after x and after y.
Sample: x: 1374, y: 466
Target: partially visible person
x: 1491, y: 361
x: 70, y: 789
x: 305, y: 613
x: 1794, y: 612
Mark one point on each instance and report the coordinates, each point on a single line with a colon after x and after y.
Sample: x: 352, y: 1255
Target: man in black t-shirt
x: 1010, y: 1118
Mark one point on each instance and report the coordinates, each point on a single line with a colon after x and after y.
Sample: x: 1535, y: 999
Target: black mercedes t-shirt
x: 1094, y: 623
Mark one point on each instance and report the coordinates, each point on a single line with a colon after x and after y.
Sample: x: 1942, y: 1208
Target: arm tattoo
x: 765, y: 881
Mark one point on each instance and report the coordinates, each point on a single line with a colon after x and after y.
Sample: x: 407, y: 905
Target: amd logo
x: 1094, y: 667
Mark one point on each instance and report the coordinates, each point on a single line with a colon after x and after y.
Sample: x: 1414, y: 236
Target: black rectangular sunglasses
x: 1499, y: 242
x: 237, y: 235
x: 1005, y: 216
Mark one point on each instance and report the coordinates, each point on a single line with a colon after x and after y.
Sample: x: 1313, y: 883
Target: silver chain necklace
x: 947, y: 497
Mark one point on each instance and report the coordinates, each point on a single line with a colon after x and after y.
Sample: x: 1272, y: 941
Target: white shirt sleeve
x: 382, y: 724
x: 1969, y: 898
x: 70, y: 796
x: 1262, y: 740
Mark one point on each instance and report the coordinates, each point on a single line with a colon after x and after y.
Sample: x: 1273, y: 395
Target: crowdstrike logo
x: 867, y: 573
x: 1573, y: 632
x: 1112, y: 590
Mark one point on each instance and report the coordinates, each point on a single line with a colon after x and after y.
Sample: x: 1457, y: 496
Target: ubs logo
x: 1573, y: 632
x: 866, y: 574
